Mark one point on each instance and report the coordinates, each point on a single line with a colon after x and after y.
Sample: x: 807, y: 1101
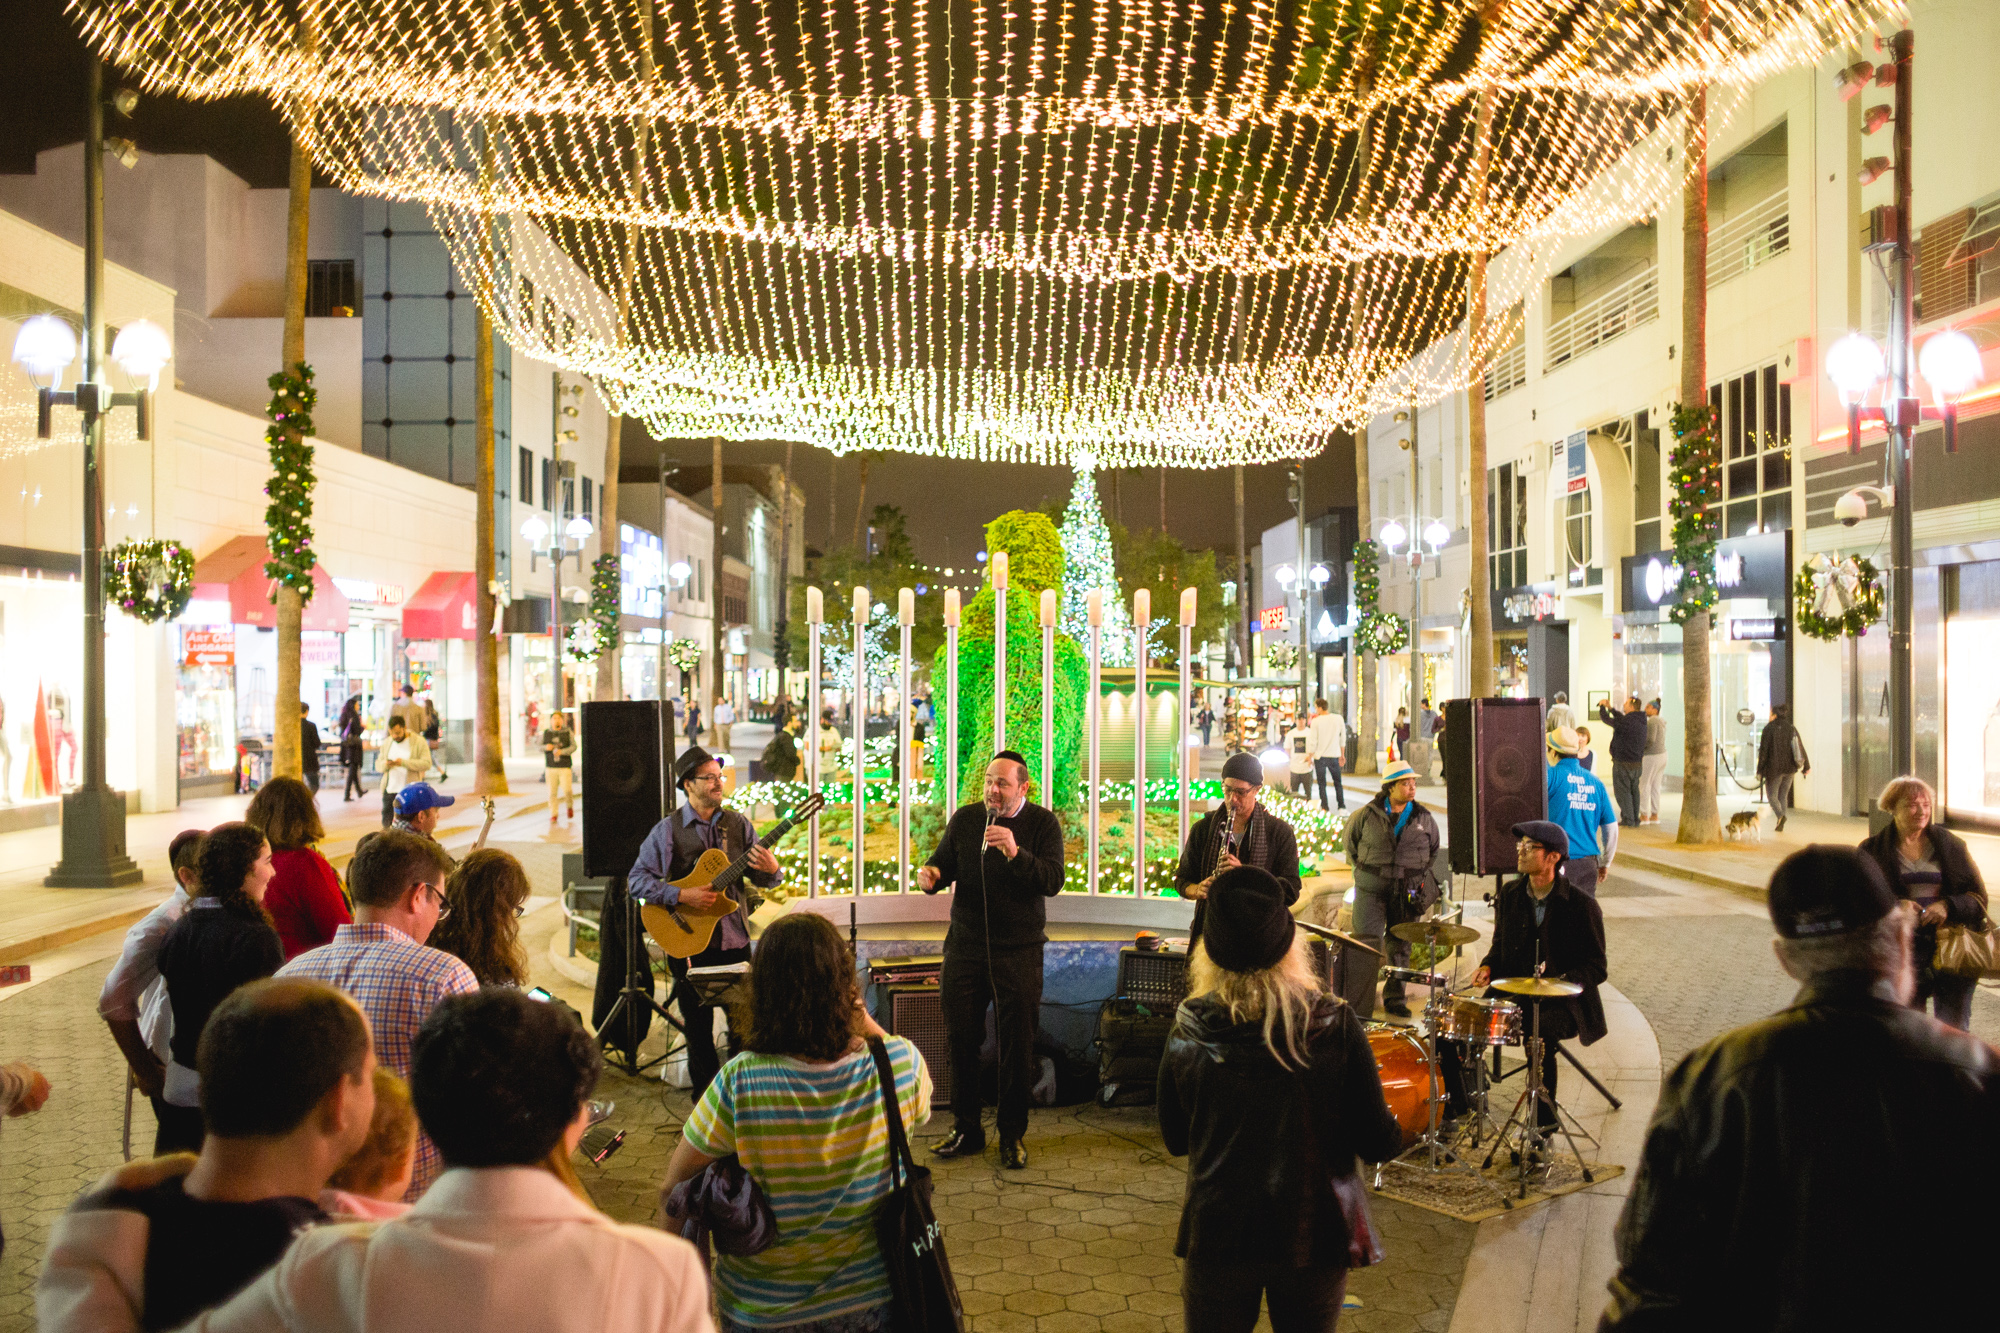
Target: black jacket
x: 1264, y: 1143
x: 1628, y: 734
x: 1569, y: 942
x: 1963, y: 892
x: 1015, y: 908
x: 1199, y: 858
x: 1800, y: 1172
x: 1774, y: 749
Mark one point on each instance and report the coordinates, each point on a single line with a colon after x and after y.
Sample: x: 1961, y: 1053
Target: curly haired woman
x: 486, y: 895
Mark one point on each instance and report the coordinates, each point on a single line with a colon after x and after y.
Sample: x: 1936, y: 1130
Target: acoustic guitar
x: 683, y: 931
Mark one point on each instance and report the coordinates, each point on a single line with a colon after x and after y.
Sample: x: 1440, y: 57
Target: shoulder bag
x: 1968, y: 951
x: 926, y: 1298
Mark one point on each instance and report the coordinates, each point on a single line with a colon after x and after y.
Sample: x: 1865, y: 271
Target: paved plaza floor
x: 1083, y: 1240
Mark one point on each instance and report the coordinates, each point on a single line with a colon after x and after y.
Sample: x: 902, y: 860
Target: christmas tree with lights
x: 1088, y: 563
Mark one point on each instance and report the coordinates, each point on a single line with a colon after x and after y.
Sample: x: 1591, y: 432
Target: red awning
x: 234, y: 573
x: 443, y: 608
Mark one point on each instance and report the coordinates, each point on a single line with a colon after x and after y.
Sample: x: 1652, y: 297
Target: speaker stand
x: 632, y: 997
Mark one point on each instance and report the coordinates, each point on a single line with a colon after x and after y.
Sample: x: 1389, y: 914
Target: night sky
x: 41, y: 105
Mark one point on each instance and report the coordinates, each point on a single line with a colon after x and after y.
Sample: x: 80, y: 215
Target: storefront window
x: 40, y: 678
x: 1972, y: 692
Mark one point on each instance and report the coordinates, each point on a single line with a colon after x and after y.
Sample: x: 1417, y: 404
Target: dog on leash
x: 1745, y: 826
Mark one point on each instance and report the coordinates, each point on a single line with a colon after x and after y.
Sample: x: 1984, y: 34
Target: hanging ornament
x: 150, y: 580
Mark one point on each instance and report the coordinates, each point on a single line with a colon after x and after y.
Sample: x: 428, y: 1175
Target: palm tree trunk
x: 1242, y: 583
x: 489, y: 769
x: 717, y: 671
x: 1364, y: 663
x: 1163, y: 502
x: 608, y: 675
x: 286, y: 760
x: 1700, y: 822
x: 1479, y: 580
x: 781, y: 643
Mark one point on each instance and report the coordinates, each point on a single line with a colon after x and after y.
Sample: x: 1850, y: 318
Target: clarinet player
x: 1238, y: 832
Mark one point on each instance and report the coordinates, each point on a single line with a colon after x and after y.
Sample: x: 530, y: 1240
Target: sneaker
x: 1012, y: 1155
x: 960, y: 1143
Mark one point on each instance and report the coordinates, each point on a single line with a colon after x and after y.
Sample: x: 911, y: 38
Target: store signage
x: 639, y: 572
x: 209, y: 645
x: 362, y: 592
x: 1745, y: 567
x: 1272, y: 617
x: 1578, y: 454
x: 1756, y: 629
x: 1530, y: 605
x: 319, y: 648
x: 421, y: 650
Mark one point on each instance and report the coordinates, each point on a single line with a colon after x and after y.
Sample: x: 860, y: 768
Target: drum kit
x: 1408, y: 1059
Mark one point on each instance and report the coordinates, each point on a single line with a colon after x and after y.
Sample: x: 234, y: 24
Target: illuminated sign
x: 1756, y: 629
x: 209, y: 645
x: 1272, y: 617
x: 365, y: 593
x: 1578, y: 455
x: 639, y: 572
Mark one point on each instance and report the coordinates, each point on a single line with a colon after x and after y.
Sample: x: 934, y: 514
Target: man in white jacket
x: 500, y: 1081
x: 1329, y: 745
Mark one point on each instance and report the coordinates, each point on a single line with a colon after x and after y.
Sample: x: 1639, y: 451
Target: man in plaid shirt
x: 397, y: 879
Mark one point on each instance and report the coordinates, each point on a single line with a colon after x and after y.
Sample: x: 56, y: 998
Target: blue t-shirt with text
x: 1580, y: 803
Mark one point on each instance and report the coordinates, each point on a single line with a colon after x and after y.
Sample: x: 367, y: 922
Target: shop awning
x: 234, y: 573
x: 443, y: 608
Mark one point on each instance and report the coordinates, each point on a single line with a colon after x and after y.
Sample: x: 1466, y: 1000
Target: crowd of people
x: 366, y: 1121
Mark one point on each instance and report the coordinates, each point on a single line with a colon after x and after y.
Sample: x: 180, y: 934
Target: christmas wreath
x: 150, y: 580
x: 1832, y: 598
x: 685, y: 653
x: 1381, y: 634
x: 1282, y: 657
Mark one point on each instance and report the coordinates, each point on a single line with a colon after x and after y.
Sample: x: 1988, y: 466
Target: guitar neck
x: 734, y: 872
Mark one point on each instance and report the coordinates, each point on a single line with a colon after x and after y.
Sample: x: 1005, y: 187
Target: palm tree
x: 489, y: 770
x: 781, y: 642
x: 286, y: 760
x: 1479, y: 582
x: 1242, y: 582
x: 861, y: 498
x: 1700, y: 822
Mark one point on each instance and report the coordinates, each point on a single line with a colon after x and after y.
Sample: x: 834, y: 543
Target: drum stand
x: 1534, y: 1136
x: 1432, y: 1152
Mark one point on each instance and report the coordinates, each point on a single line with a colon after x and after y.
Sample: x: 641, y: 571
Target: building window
x: 527, y: 471
x: 1753, y: 421
x: 586, y: 497
x: 330, y: 291
x: 1577, y: 550
x: 549, y: 484
x: 1507, y: 525
x: 1644, y: 454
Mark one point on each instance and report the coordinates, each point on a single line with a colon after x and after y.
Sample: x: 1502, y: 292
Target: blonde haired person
x: 371, y: 1184
x: 1269, y: 1089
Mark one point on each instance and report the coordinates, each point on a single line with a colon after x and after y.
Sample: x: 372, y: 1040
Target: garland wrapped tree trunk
x: 1696, y: 486
x: 290, y: 511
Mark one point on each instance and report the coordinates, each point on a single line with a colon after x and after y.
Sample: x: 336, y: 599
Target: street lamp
x: 93, y: 816
x: 566, y: 544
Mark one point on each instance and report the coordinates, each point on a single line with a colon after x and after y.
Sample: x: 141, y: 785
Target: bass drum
x: 1406, y: 1077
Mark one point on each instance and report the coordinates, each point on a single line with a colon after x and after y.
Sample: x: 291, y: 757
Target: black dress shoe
x: 959, y: 1143
x: 1012, y: 1155
x: 1398, y: 1009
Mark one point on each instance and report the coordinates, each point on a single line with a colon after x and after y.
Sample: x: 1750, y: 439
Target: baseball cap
x: 421, y: 796
x: 1563, y: 740
x: 1548, y: 834
x: 1828, y: 890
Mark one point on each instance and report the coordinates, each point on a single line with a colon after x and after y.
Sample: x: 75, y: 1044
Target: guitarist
x: 669, y: 853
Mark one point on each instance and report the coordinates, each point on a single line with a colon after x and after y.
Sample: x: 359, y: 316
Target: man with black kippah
x: 1791, y: 1164
x: 669, y: 853
x: 1004, y: 855
x: 1238, y: 832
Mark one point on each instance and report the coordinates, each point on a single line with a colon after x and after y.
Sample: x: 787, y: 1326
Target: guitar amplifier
x: 1153, y: 977
x: 917, y: 1012
x: 1131, y: 1037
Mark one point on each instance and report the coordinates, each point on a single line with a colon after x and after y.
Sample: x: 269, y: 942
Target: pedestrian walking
x: 1329, y: 746
x: 349, y: 729
x: 1299, y: 757
x: 1206, y: 719
x: 308, y: 747
x: 721, y: 718
x: 559, y: 765
x: 409, y: 710
x: 1628, y: 753
x: 404, y: 759
x: 1422, y: 728
x: 1653, y: 767
x: 1781, y: 758
x: 693, y: 720
x: 434, y: 737
x: 1932, y: 871
x: 829, y: 744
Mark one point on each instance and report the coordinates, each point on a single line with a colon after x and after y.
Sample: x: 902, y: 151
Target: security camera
x: 1850, y: 508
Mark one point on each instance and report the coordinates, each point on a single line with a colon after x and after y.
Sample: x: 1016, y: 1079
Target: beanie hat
x: 1247, y: 926
x: 1244, y: 768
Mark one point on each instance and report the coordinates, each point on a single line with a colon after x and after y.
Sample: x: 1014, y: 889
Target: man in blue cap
x: 1581, y: 804
x: 417, y: 807
x: 1542, y: 926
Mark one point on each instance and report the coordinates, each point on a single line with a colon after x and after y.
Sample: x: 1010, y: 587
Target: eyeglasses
x: 707, y: 777
x: 1242, y: 789
x: 436, y: 891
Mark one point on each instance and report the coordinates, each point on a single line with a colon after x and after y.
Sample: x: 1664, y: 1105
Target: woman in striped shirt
x: 802, y: 1108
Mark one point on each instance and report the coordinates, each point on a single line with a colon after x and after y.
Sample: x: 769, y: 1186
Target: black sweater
x: 1015, y: 908
x: 207, y: 955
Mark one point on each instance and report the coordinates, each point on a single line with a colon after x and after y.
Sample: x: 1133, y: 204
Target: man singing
x: 1004, y: 855
x: 1238, y: 832
x: 669, y: 853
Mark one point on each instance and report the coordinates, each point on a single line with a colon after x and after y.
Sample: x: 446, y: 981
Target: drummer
x: 1542, y: 921
x: 1238, y: 832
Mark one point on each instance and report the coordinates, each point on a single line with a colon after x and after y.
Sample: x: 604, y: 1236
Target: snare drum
x: 1480, y: 1022
x: 1406, y: 1077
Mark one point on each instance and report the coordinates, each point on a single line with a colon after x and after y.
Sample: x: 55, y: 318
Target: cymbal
x: 1434, y: 932
x: 1539, y: 988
